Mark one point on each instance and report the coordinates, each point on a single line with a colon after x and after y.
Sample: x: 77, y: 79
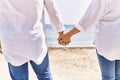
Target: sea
x: 82, y: 39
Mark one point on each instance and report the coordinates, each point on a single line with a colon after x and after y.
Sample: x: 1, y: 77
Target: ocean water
x: 82, y: 39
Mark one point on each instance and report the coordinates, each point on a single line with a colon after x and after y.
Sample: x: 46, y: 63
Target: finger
x: 65, y: 43
x: 58, y: 39
x: 1, y: 52
x: 60, y: 42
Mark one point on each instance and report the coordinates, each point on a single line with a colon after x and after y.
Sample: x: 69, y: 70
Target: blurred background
x: 71, y: 11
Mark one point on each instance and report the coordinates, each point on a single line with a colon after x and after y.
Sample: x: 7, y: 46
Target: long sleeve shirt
x: 106, y: 15
x: 22, y: 29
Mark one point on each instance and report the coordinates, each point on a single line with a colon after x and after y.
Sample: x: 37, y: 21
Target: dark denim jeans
x: 21, y: 72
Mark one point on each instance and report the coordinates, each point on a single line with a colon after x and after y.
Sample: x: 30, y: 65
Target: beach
x: 69, y: 63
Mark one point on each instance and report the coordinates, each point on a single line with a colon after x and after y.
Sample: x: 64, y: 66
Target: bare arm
x: 72, y: 32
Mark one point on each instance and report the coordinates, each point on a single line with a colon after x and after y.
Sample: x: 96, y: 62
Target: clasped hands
x: 64, y: 38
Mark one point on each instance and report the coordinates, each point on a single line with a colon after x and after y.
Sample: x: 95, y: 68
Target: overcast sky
x: 71, y: 10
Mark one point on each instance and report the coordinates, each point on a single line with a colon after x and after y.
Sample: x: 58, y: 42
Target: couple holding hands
x: 23, y: 38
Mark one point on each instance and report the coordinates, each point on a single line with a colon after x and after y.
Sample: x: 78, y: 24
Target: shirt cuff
x: 80, y: 28
x: 61, y: 29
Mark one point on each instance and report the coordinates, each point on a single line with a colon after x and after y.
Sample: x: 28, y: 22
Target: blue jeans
x: 110, y: 70
x: 21, y: 72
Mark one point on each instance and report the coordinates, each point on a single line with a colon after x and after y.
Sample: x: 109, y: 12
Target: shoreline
x: 89, y: 47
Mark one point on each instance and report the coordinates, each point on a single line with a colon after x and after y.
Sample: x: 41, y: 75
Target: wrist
x: 69, y: 34
x: 61, y: 33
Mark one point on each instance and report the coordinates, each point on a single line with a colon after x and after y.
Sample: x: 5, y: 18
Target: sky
x: 71, y: 10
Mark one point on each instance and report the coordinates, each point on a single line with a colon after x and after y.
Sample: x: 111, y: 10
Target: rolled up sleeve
x: 92, y: 14
x: 54, y: 15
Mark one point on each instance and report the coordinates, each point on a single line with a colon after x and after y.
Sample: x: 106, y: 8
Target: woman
x: 106, y: 15
x: 22, y: 36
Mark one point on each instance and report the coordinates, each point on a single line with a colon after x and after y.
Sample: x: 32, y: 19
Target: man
x: 23, y: 36
x: 106, y: 15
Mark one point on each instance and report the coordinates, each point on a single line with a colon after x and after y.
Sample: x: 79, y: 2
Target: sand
x: 66, y: 64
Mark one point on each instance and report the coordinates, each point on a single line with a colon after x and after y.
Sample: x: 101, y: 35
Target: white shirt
x: 107, y: 33
x: 22, y: 29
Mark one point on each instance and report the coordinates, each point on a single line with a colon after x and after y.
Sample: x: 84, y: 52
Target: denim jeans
x: 21, y: 72
x: 110, y: 70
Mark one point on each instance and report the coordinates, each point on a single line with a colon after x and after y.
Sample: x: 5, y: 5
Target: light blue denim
x: 110, y: 70
x: 42, y: 71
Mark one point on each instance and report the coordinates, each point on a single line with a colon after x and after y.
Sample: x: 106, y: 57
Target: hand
x: 60, y: 37
x: 0, y: 49
x: 65, y: 39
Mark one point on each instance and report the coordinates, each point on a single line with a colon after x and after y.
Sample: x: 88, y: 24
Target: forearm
x: 73, y: 32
